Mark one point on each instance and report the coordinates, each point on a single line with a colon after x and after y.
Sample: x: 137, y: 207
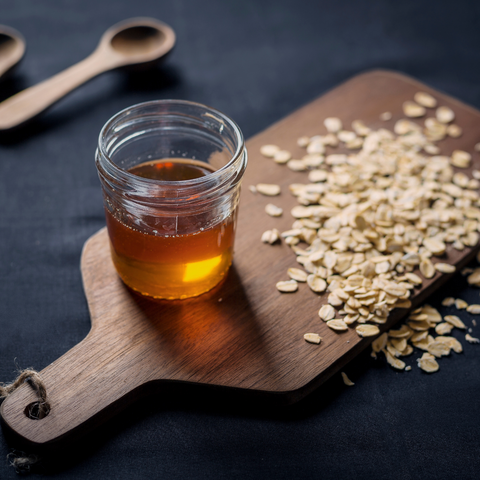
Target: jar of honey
x: 170, y: 172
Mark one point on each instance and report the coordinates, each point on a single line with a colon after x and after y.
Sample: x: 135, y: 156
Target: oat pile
x: 373, y: 224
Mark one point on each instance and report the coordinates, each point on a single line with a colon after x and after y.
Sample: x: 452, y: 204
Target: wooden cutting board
x: 244, y: 334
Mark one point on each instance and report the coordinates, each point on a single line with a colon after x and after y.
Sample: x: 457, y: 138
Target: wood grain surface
x: 244, y: 334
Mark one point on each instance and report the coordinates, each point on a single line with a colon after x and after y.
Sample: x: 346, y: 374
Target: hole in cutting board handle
x: 32, y: 411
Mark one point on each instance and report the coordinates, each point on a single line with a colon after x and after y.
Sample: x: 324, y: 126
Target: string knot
x: 40, y: 409
x: 35, y: 381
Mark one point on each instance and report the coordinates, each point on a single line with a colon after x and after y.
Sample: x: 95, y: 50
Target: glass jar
x: 172, y: 229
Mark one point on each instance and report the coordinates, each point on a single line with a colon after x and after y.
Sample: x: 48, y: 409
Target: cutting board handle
x: 81, y: 386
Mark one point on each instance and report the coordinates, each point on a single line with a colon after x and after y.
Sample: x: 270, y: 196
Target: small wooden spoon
x: 131, y: 42
x: 12, y: 48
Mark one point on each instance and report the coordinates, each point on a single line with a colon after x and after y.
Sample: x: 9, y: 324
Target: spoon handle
x: 30, y: 102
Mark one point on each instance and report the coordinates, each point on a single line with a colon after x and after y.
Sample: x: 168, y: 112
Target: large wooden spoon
x: 12, y: 48
x: 131, y: 42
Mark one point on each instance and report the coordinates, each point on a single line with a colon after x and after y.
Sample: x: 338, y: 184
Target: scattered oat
x: 451, y: 342
x: 312, y: 338
x: 444, y: 328
x: 438, y: 349
x: 427, y: 268
x: 282, y: 156
x: 474, y: 308
x: 380, y: 343
x: 448, y: 302
x: 354, y: 144
x: 297, y: 274
x: 367, y: 330
x: 445, y: 267
x: 385, y: 116
x: 422, y: 344
x: 425, y: 99
x: 434, y: 130
x: 317, y: 284
x: 334, y: 300
x: 434, y: 245
x: 270, y: 236
x: 474, y: 277
x: 394, y: 361
x: 296, y: 165
x: 326, y: 312
x: 360, y: 128
x: 253, y: 188
x: 428, y: 363
x: 432, y: 149
x: 292, y: 241
x: 408, y: 368
x: 269, y: 150
x: 268, y: 189
x: 419, y: 326
x: 471, y: 339
x: 316, y: 176
x: 433, y: 315
x: 477, y: 147
x: 336, y: 159
x: 316, y: 146
x: 339, y: 325
x: 408, y: 351
x: 346, y: 380
x: 330, y: 140
x: 461, y: 179
x: 461, y: 159
x: 413, y: 278
x: 303, y: 141
x: 460, y: 304
x: 346, y: 136
x: 403, y: 127
x: 444, y: 114
x: 313, y: 160
x: 333, y: 124
x: 294, y: 232
x: 412, y: 109
x: 273, y: 210
x: 454, y: 131
x: 455, y: 321
x: 402, y: 332
x: 287, y: 286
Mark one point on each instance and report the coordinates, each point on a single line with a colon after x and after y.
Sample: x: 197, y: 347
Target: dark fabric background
x: 256, y: 61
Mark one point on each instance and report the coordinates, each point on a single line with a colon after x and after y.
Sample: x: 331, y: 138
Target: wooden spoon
x: 12, y: 48
x: 131, y: 42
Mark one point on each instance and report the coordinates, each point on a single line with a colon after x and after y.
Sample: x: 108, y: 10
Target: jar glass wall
x: 170, y: 172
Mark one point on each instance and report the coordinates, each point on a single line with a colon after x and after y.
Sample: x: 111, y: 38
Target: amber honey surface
x: 175, y: 265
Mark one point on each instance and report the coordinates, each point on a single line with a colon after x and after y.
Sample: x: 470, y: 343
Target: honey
x: 171, y: 257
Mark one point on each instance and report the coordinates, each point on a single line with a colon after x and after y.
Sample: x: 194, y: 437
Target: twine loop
x: 40, y: 409
x: 35, y: 381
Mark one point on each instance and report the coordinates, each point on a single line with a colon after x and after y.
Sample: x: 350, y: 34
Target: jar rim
x: 128, y: 176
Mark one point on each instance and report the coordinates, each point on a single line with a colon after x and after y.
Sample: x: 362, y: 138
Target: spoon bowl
x: 12, y: 48
x: 137, y: 41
